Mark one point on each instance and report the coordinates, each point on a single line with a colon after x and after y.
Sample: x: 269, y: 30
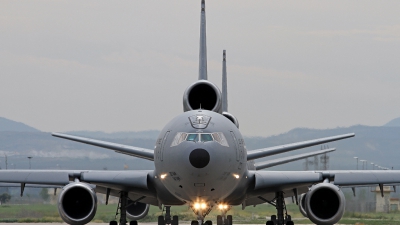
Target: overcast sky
x: 124, y: 65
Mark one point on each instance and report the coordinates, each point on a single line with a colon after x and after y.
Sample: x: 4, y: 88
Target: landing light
x: 222, y: 206
x: 163, y: 175
x: 199, y: 205
x: 236, y: 176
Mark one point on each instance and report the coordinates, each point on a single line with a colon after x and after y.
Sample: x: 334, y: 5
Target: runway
x: 107, y: 224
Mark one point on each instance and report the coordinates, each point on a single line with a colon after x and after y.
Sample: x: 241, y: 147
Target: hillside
x: 393, y: 123
x: 380, y: 145
x: 10, y: 125
x: 377, y: 144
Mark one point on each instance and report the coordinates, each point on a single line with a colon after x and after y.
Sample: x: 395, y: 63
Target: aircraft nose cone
x: 199, y: 158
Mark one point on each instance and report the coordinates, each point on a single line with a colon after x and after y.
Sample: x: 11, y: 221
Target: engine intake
x: 202, y: 95
x: 136, y: 210
x: 231, y: 118
x: 325, y: 204
x: 77, y: 203
x: 302, y: 205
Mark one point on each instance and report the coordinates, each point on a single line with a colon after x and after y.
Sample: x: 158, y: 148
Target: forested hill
x: 379, y: 144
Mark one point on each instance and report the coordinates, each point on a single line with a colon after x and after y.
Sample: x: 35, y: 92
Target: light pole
x: 29, y: 157
x: 373, y: 167
x: 357, y: 161
x: 362, y: 160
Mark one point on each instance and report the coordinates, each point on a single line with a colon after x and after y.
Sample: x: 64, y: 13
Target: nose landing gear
x: 224, y: 220
x: 163, y: 220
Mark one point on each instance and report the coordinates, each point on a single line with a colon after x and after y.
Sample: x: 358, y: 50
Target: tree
x: 44, y: 193
x: 4, y: 198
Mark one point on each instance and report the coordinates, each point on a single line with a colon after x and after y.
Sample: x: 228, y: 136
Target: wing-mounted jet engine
x: 202, y: 95
x: 302, y: 205
x: 136, y: 210
x: 77, y: 203
x: 324, y: 204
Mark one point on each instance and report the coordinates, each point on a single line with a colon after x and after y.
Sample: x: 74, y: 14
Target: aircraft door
x: 160, y: 146
x: 236, y: 146
x: 163, y: 145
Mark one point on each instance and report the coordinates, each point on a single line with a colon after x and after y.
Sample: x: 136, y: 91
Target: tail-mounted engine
x: 202, y: 95
x: 324, y: 204
x: 136, y: 210
x: 231, y: 118
x: 77, y: 203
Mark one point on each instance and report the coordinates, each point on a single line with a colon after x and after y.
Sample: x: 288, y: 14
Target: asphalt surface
x: 107, y: 224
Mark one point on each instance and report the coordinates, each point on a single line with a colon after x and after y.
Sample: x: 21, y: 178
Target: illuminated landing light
x: 200, y: 206
x: 236, y: 176
x: 162, y: 176
x: 222, y: 206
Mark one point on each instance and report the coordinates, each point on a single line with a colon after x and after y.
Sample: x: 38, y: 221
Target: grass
x: 251, y: 215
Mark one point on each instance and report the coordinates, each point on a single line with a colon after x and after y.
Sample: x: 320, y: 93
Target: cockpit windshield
x: 192, y: 137
x: 200, y: 137
x: 206, y: 137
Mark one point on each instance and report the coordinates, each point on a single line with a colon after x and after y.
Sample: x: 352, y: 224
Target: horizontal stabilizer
x: 275, y: 162
x: 119, y: 148
x: 259, y: 153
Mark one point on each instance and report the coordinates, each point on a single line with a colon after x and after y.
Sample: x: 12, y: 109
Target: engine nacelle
x: 302, y: 205
x: 325, y: 204
x: 77, y: 203
x: 137, y: 210
x: 202, y: 95
x: 231, y: 118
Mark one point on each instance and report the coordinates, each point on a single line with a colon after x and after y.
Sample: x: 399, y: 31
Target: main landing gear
x: 281, y: 217
x: 123, y: 200
x: 163, y: 220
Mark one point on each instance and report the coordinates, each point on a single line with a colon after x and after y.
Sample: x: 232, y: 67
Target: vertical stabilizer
x: 203, y: 44
x: 224, y: 84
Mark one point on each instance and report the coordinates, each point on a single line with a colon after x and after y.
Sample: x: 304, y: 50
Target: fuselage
x: 200, y: 157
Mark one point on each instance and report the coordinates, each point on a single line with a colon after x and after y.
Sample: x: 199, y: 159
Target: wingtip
x: 55, y: 134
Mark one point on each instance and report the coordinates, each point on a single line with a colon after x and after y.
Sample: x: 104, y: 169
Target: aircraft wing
x: 260, y: 153
x: 119, y: 148
x: 267, y: 183
x: 137, y: 182
x: 280, y: 161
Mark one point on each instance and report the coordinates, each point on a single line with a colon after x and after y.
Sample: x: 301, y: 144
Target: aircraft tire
x: 194, y: 222
x: 289, y: 223
x: 175, y: 220
x: 113, y: 222
x: 229, y: 220
x: 208, y: 222
x: 219, y: 220
x: 161, y: 220
x: 133, y: 222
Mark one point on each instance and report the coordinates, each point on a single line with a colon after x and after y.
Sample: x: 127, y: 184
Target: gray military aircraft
x: 201, y: 161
